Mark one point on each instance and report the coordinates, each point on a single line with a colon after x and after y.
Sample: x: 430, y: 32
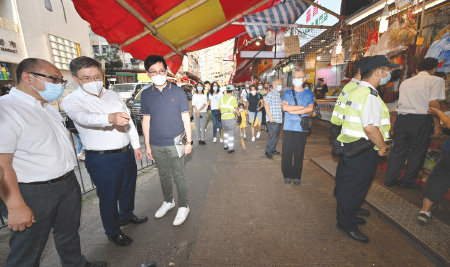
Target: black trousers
x: 55, y: 206
x: 411, y: 141
x: 353, y: 179
x: 274, y: 134
x: 439, y: 180
x: 293, y: 152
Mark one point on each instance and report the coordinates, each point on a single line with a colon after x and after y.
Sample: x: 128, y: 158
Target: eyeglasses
x: 54, y: 79
x: 86, y: 79
x: 160, y: 72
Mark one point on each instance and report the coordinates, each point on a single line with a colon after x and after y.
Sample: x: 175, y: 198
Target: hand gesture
x: 119, y: 118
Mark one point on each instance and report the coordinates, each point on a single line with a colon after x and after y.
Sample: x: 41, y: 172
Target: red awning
x: 112, y: 20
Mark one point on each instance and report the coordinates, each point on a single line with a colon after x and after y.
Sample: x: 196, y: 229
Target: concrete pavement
x: 242, y: 214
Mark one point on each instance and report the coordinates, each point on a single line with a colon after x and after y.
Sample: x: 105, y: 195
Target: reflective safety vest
x: 339, y: 107
x: 227, y: 110
x: 352, y: 128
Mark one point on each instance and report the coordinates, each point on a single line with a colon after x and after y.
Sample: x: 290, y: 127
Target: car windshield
x: 137, y: 98
x: 123, y: 87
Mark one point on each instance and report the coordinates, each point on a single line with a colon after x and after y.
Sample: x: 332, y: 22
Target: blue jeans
x: 215, y: 117
x: 79, y: 144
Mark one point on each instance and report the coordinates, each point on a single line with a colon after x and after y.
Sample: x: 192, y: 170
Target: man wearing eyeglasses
x: 111, y: 145
x: 165, y: 111
x: 37, y: 160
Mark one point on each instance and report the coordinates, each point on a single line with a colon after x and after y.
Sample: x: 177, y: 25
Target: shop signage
x: 316, y: 16
x: 401, y: 4
x: 12, y: 46
x: 291, y: 45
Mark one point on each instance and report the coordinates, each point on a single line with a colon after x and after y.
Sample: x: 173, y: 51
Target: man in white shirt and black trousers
x: 37, y: 160
x: 414, y: 127
x: 111, y: 145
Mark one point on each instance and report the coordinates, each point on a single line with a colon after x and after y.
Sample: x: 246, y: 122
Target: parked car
x: 128, y: 90
x: 134, y: 105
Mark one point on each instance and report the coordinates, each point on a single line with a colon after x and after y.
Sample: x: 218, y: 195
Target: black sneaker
x: 287, y: 180
x: 276, y: 153
x: 225, y: 148
x: 269, y: 156
x: 423, y: 219
x: 230, y: 151
x: 297, y: 181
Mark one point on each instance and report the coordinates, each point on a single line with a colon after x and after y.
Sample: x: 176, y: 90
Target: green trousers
x: 170, y: 165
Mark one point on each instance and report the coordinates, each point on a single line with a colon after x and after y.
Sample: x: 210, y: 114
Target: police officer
x: 337, y: 120
x: 228, y: 106
x: 365, y: 116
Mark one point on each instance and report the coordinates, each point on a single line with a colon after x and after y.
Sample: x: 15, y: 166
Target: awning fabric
x: 111, y: 21
x: 283, y: 13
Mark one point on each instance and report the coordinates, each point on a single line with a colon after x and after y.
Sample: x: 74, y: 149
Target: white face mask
x: 159, y: 79
x: 253, y: 92
x: 279, y: 87
x: 297, y: 82
x: 94, y: 87
x: 240, y: 110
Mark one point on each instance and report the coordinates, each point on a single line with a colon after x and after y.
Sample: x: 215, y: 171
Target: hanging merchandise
x: 280, y: 37
x: 270, y: 37
x: 441, y: 51
x: 384, y: 22
x: 372, y: 39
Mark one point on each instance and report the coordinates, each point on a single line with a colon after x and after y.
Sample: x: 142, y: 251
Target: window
x: 95, y: 49
x: 63, y: 51
x: 105, y: 49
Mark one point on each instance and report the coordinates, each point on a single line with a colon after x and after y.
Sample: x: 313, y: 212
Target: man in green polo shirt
x: 228, y: 108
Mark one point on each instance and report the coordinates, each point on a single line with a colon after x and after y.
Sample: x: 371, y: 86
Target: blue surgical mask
x: 215, y: 88
x: 199, y: 88
x: 52, y: 91
x: 247, y: 85
x: 297, y: 82
x: 385, y: 80
x: 307, y: 88
x: 260, y: 86
x: 279, y: 87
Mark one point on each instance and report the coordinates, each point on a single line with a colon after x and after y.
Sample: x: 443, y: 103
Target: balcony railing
x: 8, y: 24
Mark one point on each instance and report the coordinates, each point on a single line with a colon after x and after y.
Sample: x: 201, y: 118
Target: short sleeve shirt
x: 417, y: 92
x: 292, y: 121
x: 215, y: 99
x: 199, y: 101
x: 165, y: 108
x: 253, y: 101
x: 273, y: 98
x: 373, y: 107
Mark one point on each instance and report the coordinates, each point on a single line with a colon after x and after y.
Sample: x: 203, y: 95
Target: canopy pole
x: 152, y: 29
x: 218, y: 28
x: 283, y: 25
x: 165, y: 21
x: 324, y: 9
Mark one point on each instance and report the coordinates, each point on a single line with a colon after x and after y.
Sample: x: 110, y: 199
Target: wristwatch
x: 192, y: 143
x: 387, y: 149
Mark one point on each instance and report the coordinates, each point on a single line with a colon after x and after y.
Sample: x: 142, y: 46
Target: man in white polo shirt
x: 39, y: 186
x: 414, y: 127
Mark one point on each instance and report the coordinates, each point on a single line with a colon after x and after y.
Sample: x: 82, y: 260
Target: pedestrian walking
x: 165, y: 111
x: 208, y: 92
x: 296, y: 103
x: 255, y: 103
x: 245, y: 91
x: 228, y: 108
x: 413, y: 127
x: 274, y: 118
x: 244, y: 118
x: 37, y: 160
x: 200, y: 106
x: 214, y: 98
x: 366, y: 124
x: 438, y: 182
x: 111, y: 144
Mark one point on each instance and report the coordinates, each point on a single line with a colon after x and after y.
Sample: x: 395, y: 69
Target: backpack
x: 258, y: 94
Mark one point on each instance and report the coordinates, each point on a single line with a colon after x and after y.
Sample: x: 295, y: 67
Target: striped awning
x: 283, y: 13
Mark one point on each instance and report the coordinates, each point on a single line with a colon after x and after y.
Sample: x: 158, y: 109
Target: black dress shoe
x: 230, y: 151
x: 121, y: 239
x: 363, y: 212
x: 225, y: 148
x: 148, y: 264
x: 407, y: 185
x: 297, y: 181
x: 269, y: 156
x: 391, y: 183
x: 276, y: 153
x: 200, y: 142
x: 287, y: 180
x: 356, y: 235
x: 204, y: 142
x: 95, y: 264
x: 360, y: 221
x: 135, y: 220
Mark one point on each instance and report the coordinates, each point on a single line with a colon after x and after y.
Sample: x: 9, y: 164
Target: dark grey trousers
x: 58, y: 206
x: 438, y: 181
x: 274, y: 134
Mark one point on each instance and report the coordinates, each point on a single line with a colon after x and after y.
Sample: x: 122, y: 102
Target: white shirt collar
x: 355, y: 80
x: 24, y: 97
x: 366, y: 84
x: 424, y: 73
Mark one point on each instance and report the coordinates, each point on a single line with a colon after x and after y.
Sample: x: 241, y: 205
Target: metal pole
x: 283, y: 25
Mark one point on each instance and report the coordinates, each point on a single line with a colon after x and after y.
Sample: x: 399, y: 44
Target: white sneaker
x: 258, y: 134
x: 221, y: 140
x: 81, y: 156
x: 165, y: 207
x: 181, y: 215
x: 215, y: 140
x: 245, y: 136
x: 253, y: 139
